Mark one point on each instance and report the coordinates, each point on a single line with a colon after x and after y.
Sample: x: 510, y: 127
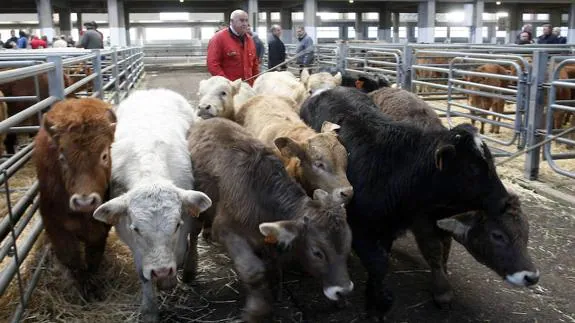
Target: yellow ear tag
x: 271, y: 239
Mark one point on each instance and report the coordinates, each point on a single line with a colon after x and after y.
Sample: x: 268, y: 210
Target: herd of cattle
x: 291, y: 172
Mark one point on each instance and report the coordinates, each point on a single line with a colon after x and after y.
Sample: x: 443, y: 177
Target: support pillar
x: 384, y: 26
x: 492, y: 33
x: 44, y: 8
x: 227, y: 15
x: 343, y: 32
x: 65, y: 22
x: 555, y: 18
x: 410, y: 33
x: 514, y: 15
x: 127, y: 25
x: 571, y: 33
x: 426, y: 22
x: 268, y: 22
x: 477, y: 23
x: 359, y: 32
x: 79, y: 22
x: 253, y: 13
x: 140, y: 35
x: 309, y: 18
x: 395, y: 21
x: 287, y: 26
x: 116, y: 23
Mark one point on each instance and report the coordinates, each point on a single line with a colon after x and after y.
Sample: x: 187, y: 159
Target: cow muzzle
x: 205, y: 111
x: 85, y: 202
x: 165, y: 277
x: 335, y: 293
x: 523, y: 278
x: 343, y: 194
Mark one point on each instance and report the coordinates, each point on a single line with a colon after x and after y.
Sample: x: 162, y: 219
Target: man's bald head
x: 239, y: 21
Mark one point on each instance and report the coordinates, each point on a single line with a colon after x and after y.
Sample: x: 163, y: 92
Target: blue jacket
x: 305, y: 43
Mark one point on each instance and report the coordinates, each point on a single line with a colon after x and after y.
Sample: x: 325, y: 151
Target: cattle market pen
x: 216, y: 296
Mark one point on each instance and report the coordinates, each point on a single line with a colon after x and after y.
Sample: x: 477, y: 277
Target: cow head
x: 81, y: 131
x: 320, y: 241
x: 497, y: 241
x: 320, y: 81
x: 154, y: 215
x: 322, y: 162
x: 216, y: 97
x: 369, y: 84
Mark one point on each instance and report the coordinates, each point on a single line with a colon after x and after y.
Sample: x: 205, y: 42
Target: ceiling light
x: 498, y: 2
x: 181, y: 0
x: 350, y: 1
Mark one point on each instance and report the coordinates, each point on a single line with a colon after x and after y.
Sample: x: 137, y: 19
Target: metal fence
x: 105, y: 74
x: 446, y: 76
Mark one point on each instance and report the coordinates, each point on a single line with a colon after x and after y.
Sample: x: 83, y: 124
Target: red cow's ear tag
x: 271, y: 239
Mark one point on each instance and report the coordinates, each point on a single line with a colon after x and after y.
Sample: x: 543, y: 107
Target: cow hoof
x: 443, y: 300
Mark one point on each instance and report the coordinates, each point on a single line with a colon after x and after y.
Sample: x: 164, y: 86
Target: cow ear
x: 112, y: 117
x: 280, y: 232
x: 329, y: 127
x: 289, y: 148
x: 111, y: 211
x: 236, y: 86
x: 194, y: 202
x: 459, y: 225
x: 444, y: 155
x: 304, y: 76
x: 337, y: 78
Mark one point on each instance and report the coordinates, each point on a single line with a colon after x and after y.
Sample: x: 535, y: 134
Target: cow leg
x: 252, y: 272
x: 375, y: 259
x: 191, y: 258
x: 149, y: 307
x: 94, y: 253
x: 10, y: 143
x: 434, y: 246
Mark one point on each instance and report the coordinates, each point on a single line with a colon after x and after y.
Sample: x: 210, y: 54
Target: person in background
x: 60, y: 42
x: 23, y: 40
x: 560, y: 39
x: 547, y: 37
x: 526, y: 29
x: 222, y: 25
x: 11, y: 42
x: 523, y: 38
x: 276, y: 48
x: 232, y: 52
x: 260, y: 47
x: 37, y: 43
x: 305, y: 44
x: 91, y: 38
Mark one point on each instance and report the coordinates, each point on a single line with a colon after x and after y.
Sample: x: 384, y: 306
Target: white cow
x: 220, y: 97
x: 281, y: 84
x: 319, y: 81
x: 152, y: 180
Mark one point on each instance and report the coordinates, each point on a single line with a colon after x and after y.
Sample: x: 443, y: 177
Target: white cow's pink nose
x: 162, y: 272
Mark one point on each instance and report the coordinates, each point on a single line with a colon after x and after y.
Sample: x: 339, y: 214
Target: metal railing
x: 107, y: 74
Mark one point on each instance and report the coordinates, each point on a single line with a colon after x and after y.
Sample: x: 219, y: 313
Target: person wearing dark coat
x: 560, y: 39
x: 276, y: 48
x: 547, y: 37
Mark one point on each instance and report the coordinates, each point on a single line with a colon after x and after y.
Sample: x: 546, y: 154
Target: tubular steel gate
x: 105, y: 74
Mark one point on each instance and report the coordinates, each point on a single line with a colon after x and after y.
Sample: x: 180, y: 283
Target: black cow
x: 407, y: 178
x: 365, y: 83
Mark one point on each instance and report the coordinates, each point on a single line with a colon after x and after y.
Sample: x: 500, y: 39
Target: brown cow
x: 3, y: 115
x: 25, y: 87
x: 402, y: 105
x: 262, y: 217
x: 430, y: 75
x: 315, y: 160
x: 72, y: 158
x: 487, y: 103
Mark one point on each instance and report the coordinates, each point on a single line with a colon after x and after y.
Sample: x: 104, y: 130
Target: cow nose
x: 85, y: 202
x: 531, y: 279
x: 205, y: 107
x: 335, y: 293
x: 344, y: 194
x: 162, y: 272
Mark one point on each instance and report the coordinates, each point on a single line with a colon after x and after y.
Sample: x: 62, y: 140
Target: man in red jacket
x: 232, y: 52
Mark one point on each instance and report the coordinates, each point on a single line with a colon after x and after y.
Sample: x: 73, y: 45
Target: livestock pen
x: 216, y: 295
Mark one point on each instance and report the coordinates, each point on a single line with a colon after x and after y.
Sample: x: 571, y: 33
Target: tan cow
x: 488, y: 103
x: 315, y: 160
x: 430, y: 75
x: 220, y: 97
x: 319, y: 81
x: 282, y: 84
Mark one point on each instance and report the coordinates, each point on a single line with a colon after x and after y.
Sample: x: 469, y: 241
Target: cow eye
x: 135, y: 228
x: 223, y: 93
x: 318, y: 254
x: 498, y: 237
x: 62, y: 158
x: 104, y: 157
x: 178, y: 226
